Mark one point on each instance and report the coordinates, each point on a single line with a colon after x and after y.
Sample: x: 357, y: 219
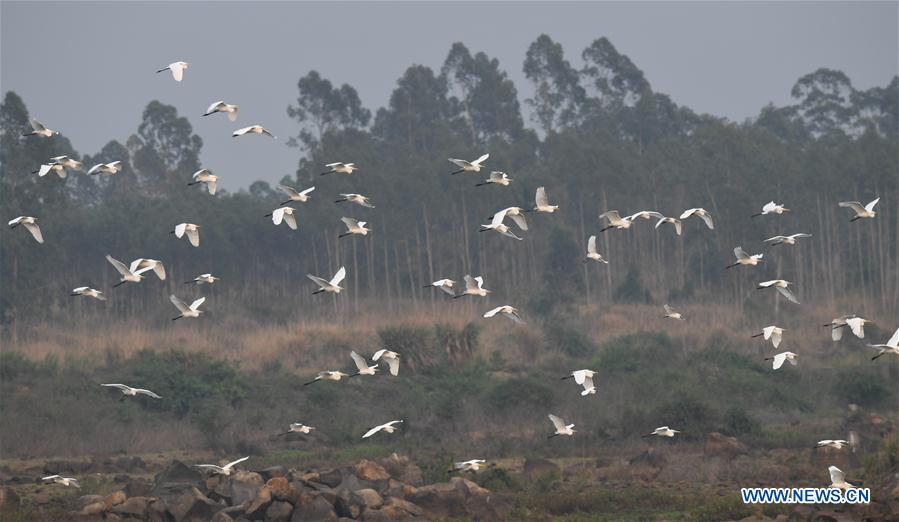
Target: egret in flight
x: 496, y: 178
x: 663, y: 431
x: 836, y: 326
x: 745, y: 259
x: 775, y: 333
x: 187, y: 311
x: 446, y: 285
x: 391, y: 358
x: 87, y: 291
x: 128, y: 391
x: 203, y: 279
x: 388, y: 428
x: 362, y: 366
x: 332, y: 286
x: 781, y: 357
x: 507, y: 311
x: 105, y: 168
x: 542, y: 202
x: 678, y: 224
x: 128, y: 275
x: 354, y: 227
x: 857, y: 325
x: 866, y: 211
x: 67, y: 162
x: 498, y: 226
x: 891, y: 346
x: 53, y: 166
x: 226, y: 470
x: 205, y: 176
x: 835, y: 444
x: 469, y: 465
x: 327, y: 375
x: 358, y: 199
x: 473, y: 286
x: 253, y: 129
x: 468, y: 166
x: 192, y: 231
x: 30, y: 224
x: 177, y: 69
x: 782, y: 285
x: 340, y: 168
x: 771, y: 208
x: 296, y: 195
x: 786, y: 240
x: 38, y: 129
x: 583, y: 378
x: 221, y: 106
x: 65, y: 481
x: 140, y: 264
x: 592, y: 253
x: 838, y: 478
x: 561, y: 427
x: 702, y: 213
x: 297, y: 427
x: 283, y: 214
x: 615, y: 221
x: 671, y: 313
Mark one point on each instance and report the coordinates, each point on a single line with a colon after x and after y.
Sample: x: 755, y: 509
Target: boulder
x: 178, y: 473
x: 318, y: 510
x: 85, y: 500
x: 283, y: 491
x: 278, y: 511
x: 535, y: 469
x: 193, y: 506
x: 719, y: 445
x: 114, y: 499
x: 442, y: 500
x: 136, y: 488
x: 259, y: 504
x: 221, y: 516
x: 134, y: 507
x: 274, y: 471
x: 369, y: 498
x: 329, y: 478
x: 9, y: 499
x: 397, y: 509
x: 377, y: 515
x: 130, y: 464
x: 244, y: 486
x: 370, y: 470
x: 94, y: 508
x: 402, y: 468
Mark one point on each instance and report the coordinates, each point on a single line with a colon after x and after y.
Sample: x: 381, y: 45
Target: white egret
x: 561, y: 427
x: 53, y: 166
x: 866, y: 211
x: 296, y: 195
x: 615, y: 220
x: 128, y: 391
x: 507, y: 311
x: 592, y: 253
x: 358, y: 199
x: 205, y: 176
x: 297, y: 427
x: 891, y: 346
x: 362, y: 366
x: 30, y: 223
x: 771, y: 208
x: 105, y: 168
x: 283, y: 214
x: 701, y: 212
x: 542, y: 202
x: 838, y: 478
x: 745, y: 259
x: 781, y: 357
x: 498, y: 226
x: 496, y: 178
x: 354, y: 227
x: 187, y: 311
x: 332, y: 286
x: 516, y: 214
x: 203, y: 279
x: 786, y: 240
x: 253, y: 129
x: 221, y: 106
x: 142, y: 265
x: 469, y: 465
x: 835, y: 444
x: 671, y: 313
x: 391, y: 358
x: 775, y: 333
x: 583, y: 378
x: 340, y: 168
x: 468, y: 166
x: 836, y: 326
x: 663, y: 431
x: 446, y: 285
x: 67, y: 162
x: 128, y: 275
x: 857, y: 325
x: 473, y: 286
x: 65, y: 481
x: 678, y: 224
x: 38, y: 129
x: 645, y: 214
x: 193, y: 232
x: 388, y: 427
x: 177, y: 69
x: 226, y: 470
x: 87, y: 291
x: 782, y: 286
x: 327, y: 375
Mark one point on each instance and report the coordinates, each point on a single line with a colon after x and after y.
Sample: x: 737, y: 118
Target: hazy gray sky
x: 88, y: 68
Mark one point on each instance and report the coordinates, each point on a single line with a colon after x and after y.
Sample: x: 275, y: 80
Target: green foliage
x: 864, y: 387
x: 515, y: 392
x: 632, y: 289
x: 569, y: 340
x: 738, y: 423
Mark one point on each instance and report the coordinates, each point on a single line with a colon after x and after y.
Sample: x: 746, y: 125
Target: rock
x: 278, y: 512
x: 244, y: 486
x: 370, y: 470
x: 535, y: 469
x: 318, y: 510
x: 9, y: 499
x: 467, y: 487
x: 130, y: 464
x: 85, y: 500
x: 285, y: 491
x: 135, y: 488
x: 397, y: 508
x: 260, y: 503
x: 274, y: 471
x: 488, y: 507
x: 377, y: 515
x: 157, y: 511
x: 134, y: 507
x: 42, y: 497
x: 221, y: 516
x: 369, y: 498
x: 330, y: 478
x: 178, y: 473
x: 94, y: 508
x: 719, y: 445
x: 115, y: 498
x: 442, y: 500
x: 402, y: 469
x: 192, y: 507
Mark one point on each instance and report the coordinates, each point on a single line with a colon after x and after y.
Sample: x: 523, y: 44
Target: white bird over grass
x: 340, y: 168
x: 203, y: 279
x: 781, y: 357
x: 192, y: 231
x: 771, y: 208
x: 786, y: 240
x: 782, y: 285
x: 128, y: 391
x: 38, y: 129
x: 53, y: 166
x: 838, y: 478
x: 663, y: 431
x: 615, y: 221
x: 507, y: 311
x: 65, y: 481
x: 358, y: 199
x: 498, y: 226
x: 253, y: 129
x: 128, y: 275
x: 283, y: 214
x: 105, y: 168
x: 205, y: 176
x: 187, y: 311
x: 297, y: 427
x: 671, y: 313
x: 354, y: 227
x: 836, y: 326
x: 469, y: 465
x: 446, y: 285
x: 496, y: 178
x: 362, y: 366
x: 745, y: 259
x: 221, y: 106
x: 866, y: 211
x: 542, y: 202
x: 141, y: 265
x: 583, y: 378
x: 226, y: 470
x: 701, y: 212
x: 891, y: 346
x: 332, y: 286
x: 678, y: 224
x: 468, y: 166
x: 87, y: 291
x: 561, y: 427
x: 327, y: 375
x: 473, y: 286
x: 177, y: 69
x: 388, y: 428
x: 857, y: 325
x: 592, y: 253
x: 296, y: 195
x: 30, y: 223
x: 391, y: 358
x: 775, y: 333
x: 835, y: 444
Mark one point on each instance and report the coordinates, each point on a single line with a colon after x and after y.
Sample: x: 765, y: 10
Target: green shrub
x: 567, y: 339
x: 631, y: 290
x: 515, y: 392
x: 863, y: 387
x: 739, y: 423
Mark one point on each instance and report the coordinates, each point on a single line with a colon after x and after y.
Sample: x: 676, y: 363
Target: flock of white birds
x: 474, y: 286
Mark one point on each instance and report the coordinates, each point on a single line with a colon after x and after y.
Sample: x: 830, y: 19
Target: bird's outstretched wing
x: 481, y: 159
x: 470, y: 283
x: 349, y: 222
x: 35, y: 232
x: 232, y: 464
x: 378, y: 354
x: 118, y: 265
x: 740, y: 253
x: 318, y: 280
x: 557, y: 422
x: 290, y: 191
x: 854, y: 205
x: 493, y: 312
x: 196, y: 304
x: 118, y: 386
x: 540, y: 197
x: 147, y: 393
x: 179, y: 304
x: 394, y: 364
x: 591, y: 245
x: 788, y: 294
x: 361, y: 363
x: 836, y: 475
x: 194, y: 236
x: 519, y: 220
x: 372, y: 431
x: 870, y: 206
x: 338, y: 277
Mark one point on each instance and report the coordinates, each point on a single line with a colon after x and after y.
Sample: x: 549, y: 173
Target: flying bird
x: 671, y: 313
x: 468, y: 166
x: 38, y: 129
x: 585, y: 379
x: 141, y: 265
x: 771, y: 208
x: 67, y: 162
x: 781, y: 357
x: 362, y: 366
x: 469, y: 465
x: 835, y: 444
x: 87, y: 291
x: 496, y: 178
x: 701, y: 212
x: 177, y: 69
x: 782, y: 286
x: 592, y: 253
x: 205, y: 176
x: 327, y: 375
x: 542, y: 202
x: 838, y: 478
x: 358, y: 199
x: 296, y: 195
x: 678, y: 224
x: 105, y: 168
x: 354, y: 227
x: 332, y: 286
x: 507, y: 311
x: 203, y: 279
x: 391, y: 358
x: 473, y: 286
x: 891, y: 346
x: 193, y: 232
x: 561, y: 427
x: 226, y: 470
x: 866, y: 211
x: 615, y: 221
x: 283, y: 214
x: 516, y: 214
x: 786, y: 240
x: 745, y: 259
x: 65, y: 481
x: 30, y: 223
x: 836, y: 326
x: 498, y: 226
x: 253, y: 129
x: 128, y: 391
x: 128, y: 275
x: 388, y: 427
x: 775, y: 333
x: 187, y: 311
x: 340, y: 168
x: 297, y: 427
x: 857, y: 325
x: 221, y: 106
x: 663, y: 431
x: 446, y: 285
x: 53, y: 166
